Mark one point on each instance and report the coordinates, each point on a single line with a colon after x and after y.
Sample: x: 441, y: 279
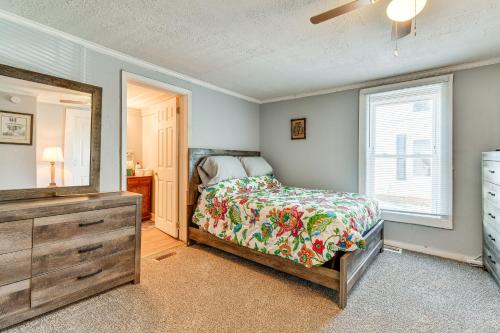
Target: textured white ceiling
x: 268, y: 48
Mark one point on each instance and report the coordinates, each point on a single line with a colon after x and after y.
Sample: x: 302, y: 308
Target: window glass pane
x: 400, y: 119
x: 422, y: 146
x: 422, y: 167
x: 422, y: 105
x: 411, y: 194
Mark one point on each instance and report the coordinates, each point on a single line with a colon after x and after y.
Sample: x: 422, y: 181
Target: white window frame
x: 444, y: 222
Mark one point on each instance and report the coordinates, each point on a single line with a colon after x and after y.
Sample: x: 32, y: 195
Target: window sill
x: 418, y: 219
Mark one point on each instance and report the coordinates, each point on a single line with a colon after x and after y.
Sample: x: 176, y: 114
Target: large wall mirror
x: 50, y: 132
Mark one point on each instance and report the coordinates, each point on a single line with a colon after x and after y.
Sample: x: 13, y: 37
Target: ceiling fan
x: 401, y: 12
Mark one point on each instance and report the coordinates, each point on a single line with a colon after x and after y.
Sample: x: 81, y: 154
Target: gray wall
x: 17, y: 162
x: 218, y: 120
x: 328, y: 158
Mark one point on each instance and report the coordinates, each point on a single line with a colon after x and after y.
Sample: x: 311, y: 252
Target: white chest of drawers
x: 491, y: 213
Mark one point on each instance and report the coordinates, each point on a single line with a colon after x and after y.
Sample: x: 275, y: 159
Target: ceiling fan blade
x: 348, y: 7
x: 401, y: 29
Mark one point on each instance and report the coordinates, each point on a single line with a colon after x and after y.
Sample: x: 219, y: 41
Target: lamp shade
x: 405, y: 10
x: 52, y: 154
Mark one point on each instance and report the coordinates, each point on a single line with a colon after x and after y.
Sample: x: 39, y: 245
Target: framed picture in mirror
x: 16, y: 128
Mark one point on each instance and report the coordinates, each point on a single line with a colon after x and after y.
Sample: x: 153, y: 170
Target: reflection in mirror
x: 45, y: 135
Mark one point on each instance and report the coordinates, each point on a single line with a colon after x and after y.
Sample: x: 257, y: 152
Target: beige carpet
x: 203, y: 290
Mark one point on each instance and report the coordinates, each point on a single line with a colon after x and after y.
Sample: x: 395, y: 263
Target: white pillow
x: 214, y: 169
x: 256, y: 166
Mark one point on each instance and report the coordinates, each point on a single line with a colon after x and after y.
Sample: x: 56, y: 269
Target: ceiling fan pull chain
x: 415, y: 27
x: 396, y: 50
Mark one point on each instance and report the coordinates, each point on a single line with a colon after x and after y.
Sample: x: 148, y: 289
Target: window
x: 405, y: 150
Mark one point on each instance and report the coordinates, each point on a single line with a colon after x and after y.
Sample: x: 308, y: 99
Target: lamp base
x: 52, y: 174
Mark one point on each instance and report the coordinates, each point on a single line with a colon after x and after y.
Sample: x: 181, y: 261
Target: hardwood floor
x: 154, y: 241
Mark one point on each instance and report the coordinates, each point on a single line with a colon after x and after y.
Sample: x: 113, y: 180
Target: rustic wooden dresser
x: 56, y: 251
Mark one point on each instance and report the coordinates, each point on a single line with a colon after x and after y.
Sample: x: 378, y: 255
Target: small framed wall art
x: 298, y: 129
x: 16, y: 128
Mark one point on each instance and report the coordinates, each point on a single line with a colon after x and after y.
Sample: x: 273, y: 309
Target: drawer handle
x: 492, y: 216
x: 81, y: 225
x: 491, y: 171
x: 83, y: 277
x: 491, y: 237
x: 89, y: 249
x: 491, y: 193
x: 491, y: 259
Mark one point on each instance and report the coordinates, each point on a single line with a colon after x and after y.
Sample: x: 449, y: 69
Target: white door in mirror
x: 77, y: 147
x: 166, y: 215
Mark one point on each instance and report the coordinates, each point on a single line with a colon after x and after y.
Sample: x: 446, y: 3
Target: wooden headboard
x: 196, y: 155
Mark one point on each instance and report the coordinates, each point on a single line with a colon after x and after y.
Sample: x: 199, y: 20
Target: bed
x: 325, y: 237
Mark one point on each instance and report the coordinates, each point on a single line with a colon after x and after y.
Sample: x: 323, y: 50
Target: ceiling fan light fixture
x: 405, y: 10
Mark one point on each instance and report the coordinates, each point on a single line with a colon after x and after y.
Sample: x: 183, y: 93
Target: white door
x: 77, y: 147
x: 166, y: 216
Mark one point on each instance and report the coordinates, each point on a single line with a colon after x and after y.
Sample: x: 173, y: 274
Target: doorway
x: 154, y: 157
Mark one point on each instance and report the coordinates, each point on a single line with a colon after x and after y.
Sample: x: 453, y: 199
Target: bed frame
x: 340, y: 275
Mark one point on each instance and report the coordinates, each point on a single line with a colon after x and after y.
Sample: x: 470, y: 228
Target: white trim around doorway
x: 184, y: 139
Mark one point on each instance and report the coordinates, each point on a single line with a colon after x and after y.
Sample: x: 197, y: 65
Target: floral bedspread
x: 306, y: 226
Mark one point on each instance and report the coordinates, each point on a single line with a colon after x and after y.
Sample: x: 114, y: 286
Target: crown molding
x: 394, y: 79
x: 119, y: 55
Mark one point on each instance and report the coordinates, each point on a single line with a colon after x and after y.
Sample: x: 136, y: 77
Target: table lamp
x: 52, y: 155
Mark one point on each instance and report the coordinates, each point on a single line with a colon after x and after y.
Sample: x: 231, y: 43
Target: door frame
x: 184, y: 138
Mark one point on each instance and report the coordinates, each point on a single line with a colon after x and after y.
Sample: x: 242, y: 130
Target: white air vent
x: 393, y: 249
x: 165, y: 256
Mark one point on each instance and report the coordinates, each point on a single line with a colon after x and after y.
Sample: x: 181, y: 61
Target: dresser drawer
x: 69, y: 226
x: 15, y: 236
x: 491, y: 171
x: 76, y: 279
x: 14, y: 298
x: 15, y: 266
x: 491, y: 214
x: 491, y: 194
x: 491, y: 259
x: 58, y: 255
x: 492, y: 237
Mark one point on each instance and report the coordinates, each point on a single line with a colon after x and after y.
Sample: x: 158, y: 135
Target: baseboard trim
x: 434, y: 252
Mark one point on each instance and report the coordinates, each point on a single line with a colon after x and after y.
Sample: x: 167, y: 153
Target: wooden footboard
x: 323, y: 276
x: 352, y: 264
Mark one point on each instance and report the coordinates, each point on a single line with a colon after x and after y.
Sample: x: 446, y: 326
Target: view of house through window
x: 408, y: 149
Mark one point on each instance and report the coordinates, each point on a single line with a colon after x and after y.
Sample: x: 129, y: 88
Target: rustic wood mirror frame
x: 95, y: 136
